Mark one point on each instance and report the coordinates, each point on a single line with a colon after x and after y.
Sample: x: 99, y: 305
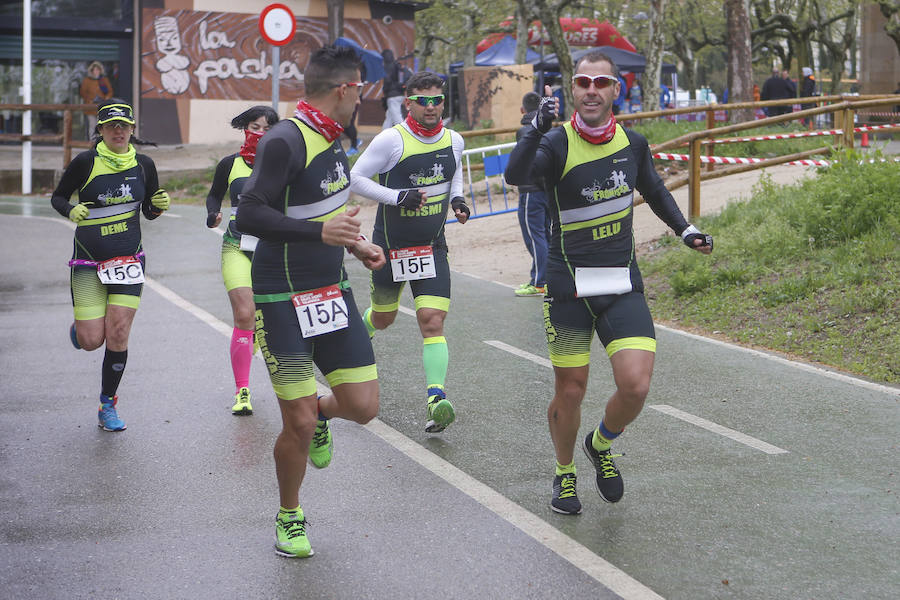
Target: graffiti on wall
x: 191, y: 54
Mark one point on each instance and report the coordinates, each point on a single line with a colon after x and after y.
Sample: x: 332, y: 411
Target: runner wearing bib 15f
x: 419, y: 179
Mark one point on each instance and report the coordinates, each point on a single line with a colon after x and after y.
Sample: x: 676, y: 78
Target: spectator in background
x: 534, y: 213
x: 635, y: 96
x: 790, y: 83
x: 897, y: 91
x: 665, y: 97
x: 619, y: 102
x: 777, y: 87
x: 95, y: 88
x: 395, y: 76
x: 350, y: 129
x: 756, y: 92
x: 556, y: 88
x: 807, y: 90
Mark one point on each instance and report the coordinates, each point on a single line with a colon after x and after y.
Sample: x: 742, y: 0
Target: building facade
x: 188, y: 66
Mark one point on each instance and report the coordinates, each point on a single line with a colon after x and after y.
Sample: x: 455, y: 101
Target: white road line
x: 545, y: 534
x: 500, y: 283
x: 185, y: 305
x: 720, y: 429
x: 171, y: 215
x: 605, y: 573
x: 699, y: 421
x: 798, y: 365
x: 540, y: 360
x: 567, y: 548
x: 406, y: 311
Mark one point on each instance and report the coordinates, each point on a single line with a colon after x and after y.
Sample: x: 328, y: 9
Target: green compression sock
x: 367, y: 319
x: 435, y: 357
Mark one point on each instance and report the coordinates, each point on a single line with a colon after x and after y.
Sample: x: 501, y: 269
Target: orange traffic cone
x: 864, y: 141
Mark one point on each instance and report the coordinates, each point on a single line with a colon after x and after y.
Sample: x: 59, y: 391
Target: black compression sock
x: 113, y: 367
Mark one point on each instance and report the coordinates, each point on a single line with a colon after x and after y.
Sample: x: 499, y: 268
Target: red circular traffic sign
x: 277, y: 24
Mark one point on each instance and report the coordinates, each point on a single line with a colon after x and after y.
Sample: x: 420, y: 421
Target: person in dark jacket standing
x: 534, y: 213
x: 777, y: 87
x: 394, y: 82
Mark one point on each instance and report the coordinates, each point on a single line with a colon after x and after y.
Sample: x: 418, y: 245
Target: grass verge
x: 810, y: 270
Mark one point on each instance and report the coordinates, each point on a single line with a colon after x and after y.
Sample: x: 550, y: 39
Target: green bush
x: 810, y: 269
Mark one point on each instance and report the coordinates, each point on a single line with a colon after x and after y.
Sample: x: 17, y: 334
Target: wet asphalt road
x: 746, y: 477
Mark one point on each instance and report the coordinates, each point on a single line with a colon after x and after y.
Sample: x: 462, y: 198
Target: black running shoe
x: 609, y: 481
x: 565, y: 500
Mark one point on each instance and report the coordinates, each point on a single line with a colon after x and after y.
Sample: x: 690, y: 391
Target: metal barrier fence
x: 493, y: 161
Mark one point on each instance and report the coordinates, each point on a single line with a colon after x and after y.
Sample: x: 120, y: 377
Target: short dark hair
x: 328, y: 67
x: 422, y: 81
x: 531, y: 101
x: 243, y: 120
x: 596, y: 56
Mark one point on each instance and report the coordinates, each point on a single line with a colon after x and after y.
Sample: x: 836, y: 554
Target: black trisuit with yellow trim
x: 299, y: 181
x: 231, y: 174
x: 591, y: 192
x: 427, y: 166
x: 111, y: 229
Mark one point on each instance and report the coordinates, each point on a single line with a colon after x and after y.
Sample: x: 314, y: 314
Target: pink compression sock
x: 241, y: 356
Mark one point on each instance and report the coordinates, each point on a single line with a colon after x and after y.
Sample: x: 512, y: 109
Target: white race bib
x: 602, y: 281
x: 408, y: 264
x: 121, y: 270
x: 320, y: 311
x: 248, y: 242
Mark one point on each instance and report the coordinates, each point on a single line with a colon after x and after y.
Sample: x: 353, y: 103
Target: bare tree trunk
x: 469, y: 51
x: 654, y: 55
x: 521, y: 32
x: 335, y: 19
x: 891, y: 12
x: 740, y: 67
x: 550, y: 19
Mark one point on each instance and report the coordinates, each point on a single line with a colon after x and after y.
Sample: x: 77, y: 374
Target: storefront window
x: 107, y: 9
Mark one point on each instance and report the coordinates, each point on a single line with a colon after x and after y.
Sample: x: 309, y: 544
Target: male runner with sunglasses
x: 295, y: 203
x: 417, y: 163
x: 590, y: 168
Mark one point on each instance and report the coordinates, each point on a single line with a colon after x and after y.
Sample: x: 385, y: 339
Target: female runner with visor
x: 114, y: 185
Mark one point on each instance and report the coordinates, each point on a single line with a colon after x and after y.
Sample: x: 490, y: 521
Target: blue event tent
x: 501, y: 53
x: 372, y: 60
x: 625, y: 60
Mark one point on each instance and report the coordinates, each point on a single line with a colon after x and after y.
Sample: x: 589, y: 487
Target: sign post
x: 277, y: 26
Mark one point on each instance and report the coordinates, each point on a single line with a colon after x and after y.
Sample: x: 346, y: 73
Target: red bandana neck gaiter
x: 248, y: 150
x: 420, y: 130
x: 594, y: 135
x: 328, y: 127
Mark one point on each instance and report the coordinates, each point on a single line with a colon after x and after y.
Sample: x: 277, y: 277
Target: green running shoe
x: 440, y: 411
x: 290, y: 535
x: 242, y: 404
x: 531, y: 290
x: 322, y: 446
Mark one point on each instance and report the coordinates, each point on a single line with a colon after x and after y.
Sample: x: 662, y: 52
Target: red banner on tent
x: 577, y: 32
